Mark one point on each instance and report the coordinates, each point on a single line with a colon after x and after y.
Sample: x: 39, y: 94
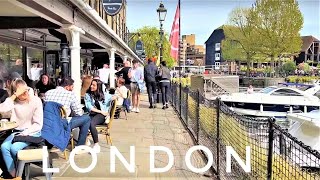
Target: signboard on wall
x: 112, y: 7
x: 139, y: 46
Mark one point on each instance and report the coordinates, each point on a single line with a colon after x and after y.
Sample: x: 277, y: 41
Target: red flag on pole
x: 175, y: 35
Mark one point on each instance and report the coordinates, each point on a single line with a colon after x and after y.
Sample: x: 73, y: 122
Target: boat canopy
x: 296, y: 84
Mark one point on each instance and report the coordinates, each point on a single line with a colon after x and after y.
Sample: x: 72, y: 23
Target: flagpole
x: 179, y: 52
x: 179, y: 55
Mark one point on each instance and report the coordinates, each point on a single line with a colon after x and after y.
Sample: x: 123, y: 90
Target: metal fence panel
x: 275, y: 154
x: 239, y: 132
x: 292, y: 159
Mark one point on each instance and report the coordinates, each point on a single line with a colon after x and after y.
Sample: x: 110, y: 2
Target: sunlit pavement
x: 150, y: 127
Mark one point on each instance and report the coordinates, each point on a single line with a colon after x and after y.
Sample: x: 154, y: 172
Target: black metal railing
x: 275, y: 154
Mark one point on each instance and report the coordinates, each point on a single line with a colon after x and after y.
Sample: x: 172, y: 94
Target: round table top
x: 5, y: 126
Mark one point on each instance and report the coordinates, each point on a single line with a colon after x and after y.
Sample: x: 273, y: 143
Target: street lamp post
x: 162, y: 13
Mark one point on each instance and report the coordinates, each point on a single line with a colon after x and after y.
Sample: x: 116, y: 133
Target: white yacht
x: 306, y: 128
x: 274, y: 101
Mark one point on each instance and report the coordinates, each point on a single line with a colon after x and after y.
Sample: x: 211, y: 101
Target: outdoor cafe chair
x: 123, y: 108
x: 105, y: 128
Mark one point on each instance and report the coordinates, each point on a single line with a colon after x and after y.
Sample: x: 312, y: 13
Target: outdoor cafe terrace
x: 192, y: 120
x: 150, y: 127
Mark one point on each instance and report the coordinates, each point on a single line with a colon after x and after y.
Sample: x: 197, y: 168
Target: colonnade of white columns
x: 74, y: 33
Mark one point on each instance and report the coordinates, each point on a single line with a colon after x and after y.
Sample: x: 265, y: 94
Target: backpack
x: 165, y: 73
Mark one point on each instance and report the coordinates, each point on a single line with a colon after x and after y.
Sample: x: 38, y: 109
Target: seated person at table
x: 27, y: 112
x: 44, y: 85
x: 98, y: 103
x: 63, y: 95
x: 104, y: 87
x: 121, y: 91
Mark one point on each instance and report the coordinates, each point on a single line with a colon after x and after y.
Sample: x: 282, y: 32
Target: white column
x: 74, y: 40
x: 112, y: 68
x: 125, y: 58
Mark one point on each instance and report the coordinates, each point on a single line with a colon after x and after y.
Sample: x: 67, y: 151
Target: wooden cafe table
x: 6, y: 126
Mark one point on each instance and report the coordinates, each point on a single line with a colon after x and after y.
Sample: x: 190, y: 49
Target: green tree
x: 278, y: 24
x: 240, y: 41
x: 289, y: 67
x: 151, y: 39
x: 232, y: 51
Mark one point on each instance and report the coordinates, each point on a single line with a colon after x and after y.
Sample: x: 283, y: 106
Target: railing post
x: 187, y: 105
x: 180, y: 98
x: 171, y: 87
x: 270, y: 148
x: 175, y: 96
x: 218, y: 137
x: 198, y: 115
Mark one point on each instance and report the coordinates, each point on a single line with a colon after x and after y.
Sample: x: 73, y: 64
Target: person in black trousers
x: 150, y: 73
x: 98, y: 103
x: 164, y: 74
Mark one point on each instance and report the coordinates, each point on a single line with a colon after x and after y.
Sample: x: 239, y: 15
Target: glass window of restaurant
x: 10, y: 59
x: 22, y: 51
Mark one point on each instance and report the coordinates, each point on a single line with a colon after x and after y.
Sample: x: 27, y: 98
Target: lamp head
x: 162, y: 12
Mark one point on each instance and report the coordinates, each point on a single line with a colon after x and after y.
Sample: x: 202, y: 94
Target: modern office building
x: 190, y: 53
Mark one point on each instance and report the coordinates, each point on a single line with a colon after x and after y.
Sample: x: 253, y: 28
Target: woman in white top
x: 27, y: 112
x: 250, y: 89
x: 121, y: 91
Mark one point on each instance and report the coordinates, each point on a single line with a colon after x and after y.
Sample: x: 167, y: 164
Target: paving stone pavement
x: 150, y: 127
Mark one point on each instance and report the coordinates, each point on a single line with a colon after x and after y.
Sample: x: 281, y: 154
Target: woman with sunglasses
x: 27, y: 112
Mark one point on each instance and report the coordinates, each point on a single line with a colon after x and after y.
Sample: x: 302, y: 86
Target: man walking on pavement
x: 150, y: 73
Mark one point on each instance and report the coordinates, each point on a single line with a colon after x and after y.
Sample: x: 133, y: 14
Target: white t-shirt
x: 104, y: 74
x: 35, y: 73
x: 124, y: 91
x: 250, y: 91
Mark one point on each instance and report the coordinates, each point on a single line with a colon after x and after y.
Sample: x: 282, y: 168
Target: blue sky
x: 201, y: 17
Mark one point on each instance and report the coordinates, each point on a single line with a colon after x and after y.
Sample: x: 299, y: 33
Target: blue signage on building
x: 112, y: 7
x: 139, y: 46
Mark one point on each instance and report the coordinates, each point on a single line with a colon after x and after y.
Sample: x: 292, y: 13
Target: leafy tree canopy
x: 278, y: 24
x: 151, y: 40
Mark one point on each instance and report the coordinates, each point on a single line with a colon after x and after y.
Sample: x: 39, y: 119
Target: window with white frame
x: 217, y: 46
x: 217, y: 56
x: 217, y: 65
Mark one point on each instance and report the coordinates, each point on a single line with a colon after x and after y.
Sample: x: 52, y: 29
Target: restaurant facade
x: 61, y: 37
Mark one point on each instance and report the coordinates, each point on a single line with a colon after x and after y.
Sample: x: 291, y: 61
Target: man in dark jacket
x: 124, y: 74
x: 150, y: 73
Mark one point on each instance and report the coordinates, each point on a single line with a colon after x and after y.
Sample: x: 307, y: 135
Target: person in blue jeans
x: 27, y: 112
x: 63, y: 95
x: 165, y: 76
